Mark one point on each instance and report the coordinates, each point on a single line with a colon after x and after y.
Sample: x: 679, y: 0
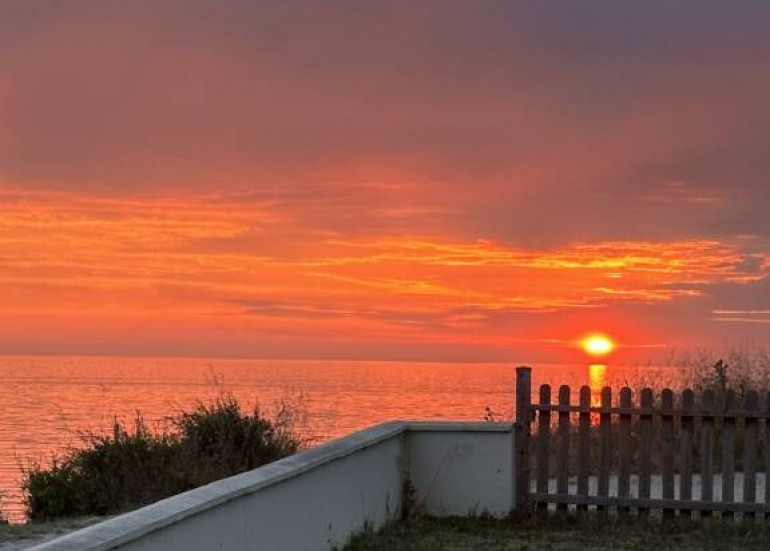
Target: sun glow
x: 597, y: 345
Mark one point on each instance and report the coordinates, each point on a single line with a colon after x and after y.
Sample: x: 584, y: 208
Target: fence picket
x: 677, y: 450
x: 667, y: 441
x: 605, y: 443
x: 728, y: 453
x: 707, y: 449
x: 767, y: 453
x: 687, y: 431
x: 624, y: 446
x: 562, y: 480
x: 750, y: 404
x: 645, y: 442
x: 543, y: 444
x: 584, y: 444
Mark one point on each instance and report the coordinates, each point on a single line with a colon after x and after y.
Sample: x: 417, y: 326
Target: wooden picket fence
x: 696, y: 440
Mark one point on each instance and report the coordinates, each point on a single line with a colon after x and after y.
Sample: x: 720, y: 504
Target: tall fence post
x: 523, y: 430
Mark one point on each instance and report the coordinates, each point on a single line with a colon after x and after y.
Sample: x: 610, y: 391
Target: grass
x: 133, y: 466
x: 555, y: 532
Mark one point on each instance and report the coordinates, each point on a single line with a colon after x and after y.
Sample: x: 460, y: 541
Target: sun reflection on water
x: 597, y: 379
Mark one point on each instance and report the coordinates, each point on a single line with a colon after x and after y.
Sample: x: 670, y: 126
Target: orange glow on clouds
x: 152, y: 266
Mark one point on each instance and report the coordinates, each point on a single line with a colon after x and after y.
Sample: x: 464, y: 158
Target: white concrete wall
x: 319, y: 509
x: 317, y: 499
x: 461, y: 469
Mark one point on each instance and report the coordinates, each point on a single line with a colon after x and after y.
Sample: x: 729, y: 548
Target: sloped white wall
x: 318, y: 499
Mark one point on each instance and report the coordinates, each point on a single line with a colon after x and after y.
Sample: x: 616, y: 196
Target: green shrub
x: 219, y: 440
x: 128, y: 468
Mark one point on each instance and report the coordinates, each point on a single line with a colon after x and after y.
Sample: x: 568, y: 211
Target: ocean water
x: 46, y: 402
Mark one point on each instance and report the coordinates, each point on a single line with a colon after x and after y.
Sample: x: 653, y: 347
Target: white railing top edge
x: 129, y: 526
x: 459, y: 426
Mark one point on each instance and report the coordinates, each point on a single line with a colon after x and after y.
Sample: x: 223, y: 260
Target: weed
x: 587, y: 531
x: 133, y: 466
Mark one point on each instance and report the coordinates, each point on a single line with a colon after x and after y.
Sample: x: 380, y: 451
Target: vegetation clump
x: 741, y: 370
x: 133, y: 466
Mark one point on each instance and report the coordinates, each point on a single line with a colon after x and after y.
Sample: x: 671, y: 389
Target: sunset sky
x: 443, y: 180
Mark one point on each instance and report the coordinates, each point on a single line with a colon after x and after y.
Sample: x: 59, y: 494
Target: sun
x: 597, y: 345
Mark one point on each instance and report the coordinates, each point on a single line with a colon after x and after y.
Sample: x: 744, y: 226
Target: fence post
x: 767, y: 455
x: 624, y: 447
x: 707, y: 449
x: 562, y: 465
x: 751, y: 406
x: 728, y: 452
x: 667, y: 442
x: 686, y: 440
x: 523, y: 400
x: 645, y: 445
x: 605, y: 446
x: 584, y: 444
x: 543, y: 445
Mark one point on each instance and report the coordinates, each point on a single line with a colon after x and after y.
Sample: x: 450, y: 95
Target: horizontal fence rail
x: 675, y: 452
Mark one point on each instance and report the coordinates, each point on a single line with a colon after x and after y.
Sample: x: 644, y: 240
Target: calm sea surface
x: 46, y: 401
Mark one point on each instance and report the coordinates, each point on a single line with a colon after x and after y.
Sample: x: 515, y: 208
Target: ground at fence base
x: 562, y: 532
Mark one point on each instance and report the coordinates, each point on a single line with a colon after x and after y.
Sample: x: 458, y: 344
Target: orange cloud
x: 248, y: 267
